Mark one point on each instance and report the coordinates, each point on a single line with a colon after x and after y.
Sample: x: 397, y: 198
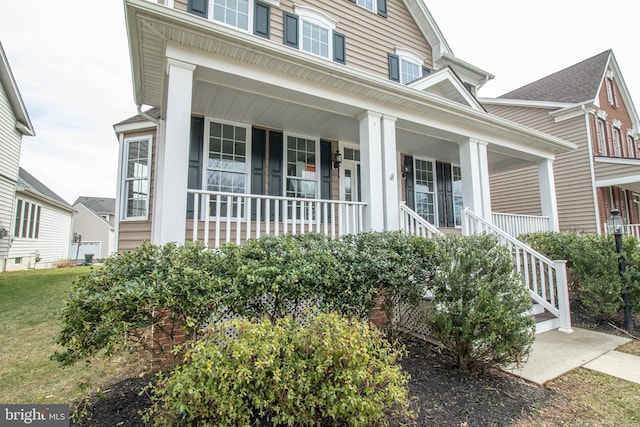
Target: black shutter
x: 291, y: 30
x: 382, y: 8
x: 394, y: 67
x: 425, y: 71
x: 194, y: 180
x: 258, y: 151
x: 409, y: 183
x: 276, y: 169
x: 326, y: 168
x: 444, y: 188
x: 198, y: 7
x: 352, y: 1
x: 339, y: 48
x: 261, y: 19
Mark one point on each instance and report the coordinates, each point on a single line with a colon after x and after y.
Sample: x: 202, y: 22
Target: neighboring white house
x: 14, y: 123
x: 93, y: 227
x: 42, y: 226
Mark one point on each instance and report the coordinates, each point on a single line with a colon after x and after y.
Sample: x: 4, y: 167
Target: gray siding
x: 517, y: 191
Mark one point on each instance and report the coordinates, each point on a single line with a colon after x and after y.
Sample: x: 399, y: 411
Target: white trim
x: 285, y: 147
x: 250, y: 17
x: 436, y: 220
x: 314, y: 16
x: 123, y: 177
x: 601, y: 114
x: 374, y: 4
x: 617, y: 160
x: 616, y: 123
x: 592, y: 173
x: 135, y: 126
x: 615, y: 182
x: 524, y: 103
x: 341, y: 146
x: 118, y: 214
x: 410, y: 55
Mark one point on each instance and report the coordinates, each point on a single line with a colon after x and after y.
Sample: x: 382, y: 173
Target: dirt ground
x: 441, y: 395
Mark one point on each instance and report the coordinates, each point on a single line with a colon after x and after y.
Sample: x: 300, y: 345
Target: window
x: 368, y: 4
x: 232, y: 12
x: 631, y: 152
x: 137, y: 166
x: 458, y: 203
x: 409, y: 71
x: 425, y: 190
x: 406, y: 66
x: 617, y: 143
x: 241, y: 14
x: 27, y: 220
x: 601, y: 135
x: 226, y: 170
x: 302, y: 176
x: 611, y: 92
x: 315, y: 39
x: 316, y: 32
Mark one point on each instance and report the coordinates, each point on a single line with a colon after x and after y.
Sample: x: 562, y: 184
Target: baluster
x: 196, y: 199
x: 217, y: 219
x: 207, y: 219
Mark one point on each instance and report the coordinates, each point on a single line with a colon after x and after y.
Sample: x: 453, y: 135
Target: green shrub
x: 479, y: 303
x: 119, y: 302
x: 333, y: 371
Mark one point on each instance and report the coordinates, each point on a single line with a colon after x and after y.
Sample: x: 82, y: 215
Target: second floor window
x: 406, y: 66
x: 314, y: 32
x: 631, y: 147
x: 601, y: 135
x: 617, y: 143
x: 232, y: 12
x: 409, y: 71
x: 315, y: 39
x: 368, y: 4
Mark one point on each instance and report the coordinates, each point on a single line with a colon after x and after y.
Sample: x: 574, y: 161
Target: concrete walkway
x: 556, y: 353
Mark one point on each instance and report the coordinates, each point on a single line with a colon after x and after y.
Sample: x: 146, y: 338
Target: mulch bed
x: 441, y: 395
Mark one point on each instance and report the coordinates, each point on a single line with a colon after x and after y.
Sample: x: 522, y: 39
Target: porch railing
x: 515, y: 225
x: 545, y: 279
x: 413, y: 224
x: 219, y: 217
x: 630, y: 229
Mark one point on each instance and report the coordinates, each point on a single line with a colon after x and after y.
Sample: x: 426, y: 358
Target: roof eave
x: 23, y: 122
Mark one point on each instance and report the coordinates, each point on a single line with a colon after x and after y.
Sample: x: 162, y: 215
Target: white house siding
x: 517, y: 191
x: 52, y: 243
x: 7, y: 192
x: 92, y: 228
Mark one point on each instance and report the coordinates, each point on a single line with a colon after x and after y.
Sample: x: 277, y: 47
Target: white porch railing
x: 413, y: 224
x: 220, y: 218
x: 630, y: 229
x: 516, y: 225
x: 545, y: 279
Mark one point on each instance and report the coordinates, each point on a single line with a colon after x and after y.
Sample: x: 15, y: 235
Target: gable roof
x: 575, y: 84
x: 153, y: 112
x: 29, y: 184
x: 23, y: 122
x: 446, y: 83
x: 99, y: 205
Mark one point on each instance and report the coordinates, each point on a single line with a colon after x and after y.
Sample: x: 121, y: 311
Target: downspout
x: 146, y: 116
x: 594, y: 190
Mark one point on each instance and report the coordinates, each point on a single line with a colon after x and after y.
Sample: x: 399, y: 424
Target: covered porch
x: 618, y: 186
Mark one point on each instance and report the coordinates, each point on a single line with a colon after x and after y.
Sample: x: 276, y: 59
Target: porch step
x: 546, y: 321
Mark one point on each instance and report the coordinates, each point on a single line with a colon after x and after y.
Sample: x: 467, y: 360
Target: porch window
x: 227, y: 164
x: 425, y: 190
x: 302, y: 175
x: 27, y: 220
x: 458, y: 203
x: 136, y: 182
x: 232, y: 12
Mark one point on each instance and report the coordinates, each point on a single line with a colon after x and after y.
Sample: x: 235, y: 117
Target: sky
x: 70, y: 59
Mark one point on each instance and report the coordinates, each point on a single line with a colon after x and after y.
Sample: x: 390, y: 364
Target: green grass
x: 29, y: 303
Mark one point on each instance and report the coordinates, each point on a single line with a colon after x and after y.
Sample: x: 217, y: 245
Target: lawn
x: 29, y: 302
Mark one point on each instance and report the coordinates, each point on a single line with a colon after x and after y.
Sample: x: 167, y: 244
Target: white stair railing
x: 413, y: 224
x: 236, y: 218
x: 515, y: 224
x: 545, y: 279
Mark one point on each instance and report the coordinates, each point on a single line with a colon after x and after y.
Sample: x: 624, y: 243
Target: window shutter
x: 194, y: 180
x: 339, y: 48
x: 596, y: 135
x: 198, y: 7
x: 258, y: 151
x: 607, y: 130
x: 382, y: 8
x: 276, y: 170
x: 425, y: 71
x: 261, y: 19
x: 291, y: 30
x: 394, y: 68
x: 409, y: 184
x: 326, y: 168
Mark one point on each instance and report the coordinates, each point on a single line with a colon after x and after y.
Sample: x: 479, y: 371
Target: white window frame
x: 601, y: 132
x: 617, y: 142
x: 125, y: 162
x: 25, y: 231
x: 433, y: 192
x: 343, y: 147
x: 319, y: 19
x: 285, y: 157
x: 205, y: 157
x: 453, y: 192
x: 408, y: 56
x: 250, y: 18
x: 374, y: 5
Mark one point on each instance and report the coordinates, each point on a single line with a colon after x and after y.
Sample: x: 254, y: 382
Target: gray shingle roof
x: 30, y: 183
x: 153, y: 112
x: 100, y: 205
x: 575, y: 84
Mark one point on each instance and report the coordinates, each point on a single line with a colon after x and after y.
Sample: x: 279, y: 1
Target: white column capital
x: 367, y: 114
x: 179, y: 64
x: 388, y: 118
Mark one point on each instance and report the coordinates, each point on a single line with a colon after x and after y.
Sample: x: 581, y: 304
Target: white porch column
x: 170, y: 215
x: 371, y: 169
x: 390, y: 174
x: 546, y: 181
x: 471, y: 180
x: 483, y: 166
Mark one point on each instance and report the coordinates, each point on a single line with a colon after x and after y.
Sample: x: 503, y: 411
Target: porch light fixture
x: 337, y: 159
x: 405, y: 172
x: 615, y: 225
x: 3, y: 233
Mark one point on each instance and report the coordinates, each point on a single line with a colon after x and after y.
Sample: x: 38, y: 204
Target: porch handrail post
x: 562, y: 290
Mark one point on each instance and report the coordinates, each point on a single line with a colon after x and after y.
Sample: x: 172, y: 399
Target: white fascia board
x: 622, y: 86
x: 446, y: 74
x: 135, y: 126
x: 23, y: 122
x: 617, y: 161
x: 39, y: 197
x: 91, y: 212
x: 614, y: 182
x: 428, y: 27
x: 524, y: 103
x: 468, y: 69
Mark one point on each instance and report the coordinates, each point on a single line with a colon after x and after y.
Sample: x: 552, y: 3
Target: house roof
x: 23, y: 123
x: 28, y: 183
x: 99, y: 205
x: 575, y: 84
x: 154, y: 112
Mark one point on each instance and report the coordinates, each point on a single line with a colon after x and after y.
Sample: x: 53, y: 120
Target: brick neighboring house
x: 587, y: 103
x: 14, y: 124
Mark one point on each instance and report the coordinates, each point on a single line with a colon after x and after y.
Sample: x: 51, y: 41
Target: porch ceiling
x: 246, y: 79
